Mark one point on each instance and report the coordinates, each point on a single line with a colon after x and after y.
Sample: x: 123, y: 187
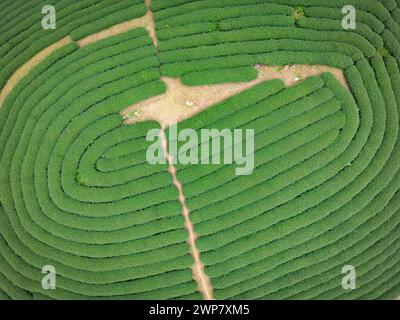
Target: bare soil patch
x: 181, y: 102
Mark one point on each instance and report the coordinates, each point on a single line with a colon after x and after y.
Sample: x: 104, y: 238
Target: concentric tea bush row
x: 77, y: 193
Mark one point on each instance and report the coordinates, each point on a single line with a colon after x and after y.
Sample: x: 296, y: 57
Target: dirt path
x: 199, y: 275
x: 181, y: 102
x: 29, y: 65
x: 151, y: 29
x: 146, y: 22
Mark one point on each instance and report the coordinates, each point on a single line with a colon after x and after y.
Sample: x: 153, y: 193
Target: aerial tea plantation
x: 78, y: 194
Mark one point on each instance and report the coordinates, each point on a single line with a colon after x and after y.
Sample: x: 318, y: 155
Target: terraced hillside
x: 76, y: 190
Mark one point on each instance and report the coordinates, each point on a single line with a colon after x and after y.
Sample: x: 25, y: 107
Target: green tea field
x: 308, y: 206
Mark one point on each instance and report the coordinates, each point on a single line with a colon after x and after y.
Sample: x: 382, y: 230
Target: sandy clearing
x: 181, y: 102
x: 29, y: 65
x: 293, y: 73
x: 143, y: 22
x: 198, y: 273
